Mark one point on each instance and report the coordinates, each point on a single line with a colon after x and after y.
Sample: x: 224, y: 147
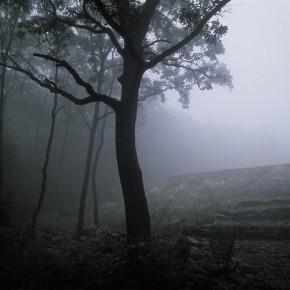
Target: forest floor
x: 102, y: 260
x: 249, y: 249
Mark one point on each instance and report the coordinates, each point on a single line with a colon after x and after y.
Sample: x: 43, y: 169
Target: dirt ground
x: 100, y: 261
x: 256, y: 264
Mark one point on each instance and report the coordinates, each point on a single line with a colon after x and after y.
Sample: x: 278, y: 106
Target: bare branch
x: 85, y: 120
x: 179, y: 65
x: 71, y: 23
x: 109, y: 19
x: 105, y: 115
x: 193, y: 71
x: 52, y: 87
x: 88, y: 87
x: 155, y: 93
x: 58, y: 110
x: 120, y: 30
x: 103, y: 28
x: 156, y: 41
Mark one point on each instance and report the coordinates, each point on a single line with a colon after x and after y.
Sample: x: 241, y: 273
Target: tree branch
x: 156, y: 41
x: 188, y: 38
x: 85, y: 120
x: 58, y: 110
x: 105, y: 115
x: 146, y: 15
x: 88, y: 87
x: 104, y: 28
x: 120, y: 30
x: 109, y: 19
x: 53, y: 88
x: 155, y: 93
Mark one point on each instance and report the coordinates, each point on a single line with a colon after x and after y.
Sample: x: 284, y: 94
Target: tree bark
x: 136, y: 208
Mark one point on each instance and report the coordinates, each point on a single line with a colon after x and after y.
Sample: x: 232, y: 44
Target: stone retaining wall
x: 266, y: 178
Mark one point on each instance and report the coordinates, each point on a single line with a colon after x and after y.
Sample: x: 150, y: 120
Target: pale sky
x: 246, y: 127
x: 258, y: 56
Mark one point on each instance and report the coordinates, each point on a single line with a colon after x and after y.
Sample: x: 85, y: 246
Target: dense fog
x: 222, y: 128
x: 144, y: 144
x: 243, y: 127
x: 174, y: 143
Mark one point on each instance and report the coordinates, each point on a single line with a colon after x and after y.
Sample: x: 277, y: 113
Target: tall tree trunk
x: 44, y: 170
x: 4, y: 56
x: 35, y: 174
x: 60, y: 173
x: 136, y: 207
x: 95, y: 166
x: 93, y: 129
x: 82, y: 204
x: 45, y: 164
x: 98, y: 153
x: 2, y: 92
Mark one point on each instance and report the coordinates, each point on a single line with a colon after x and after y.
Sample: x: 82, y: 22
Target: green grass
x: 266, y: 225
x: 114, y: 219
x: 163, y: 216
x: 261, y: 205
x: 110, y: 218
x: 54, y: 222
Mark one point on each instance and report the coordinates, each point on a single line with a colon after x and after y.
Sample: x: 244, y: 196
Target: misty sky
x: 246, y: 127
x: 257, y: 54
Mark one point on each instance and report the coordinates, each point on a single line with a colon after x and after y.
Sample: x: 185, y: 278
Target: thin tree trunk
x: 5, y: 54
x: 60, y: 173
x: 2, y: 91
x: 97, y: 157
x: 37, y: 127
x: 34, y: 168
x: 95, y: 166
x: 93, y: 129
x: 44, y: 168
x: 82, y: 204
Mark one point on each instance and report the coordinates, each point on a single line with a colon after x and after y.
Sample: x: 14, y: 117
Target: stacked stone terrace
x: 259, y: 178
